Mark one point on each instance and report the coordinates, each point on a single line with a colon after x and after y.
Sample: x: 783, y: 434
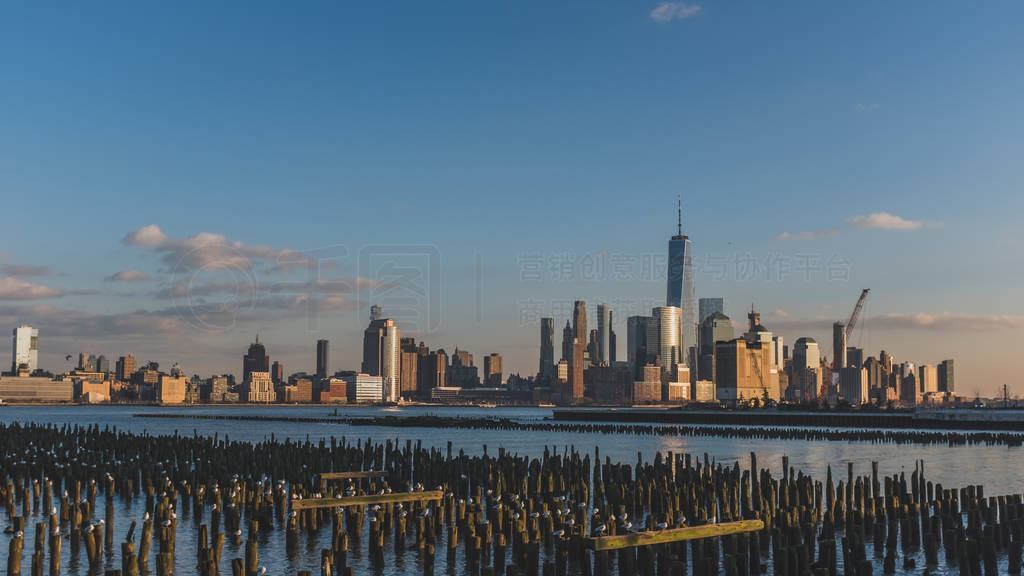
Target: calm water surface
x: 997, y: 468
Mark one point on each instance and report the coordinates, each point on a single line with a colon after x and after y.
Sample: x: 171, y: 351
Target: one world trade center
x: 680, y: 286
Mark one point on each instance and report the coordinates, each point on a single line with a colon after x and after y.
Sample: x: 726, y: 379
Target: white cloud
x: 809, y: 234
x: 209, y: 251
x: 884, y: 220
x: 15, y: 289
x: 780, y: 313
x: 127, y: 276
x: 150, y: 236
x: 669, y: 11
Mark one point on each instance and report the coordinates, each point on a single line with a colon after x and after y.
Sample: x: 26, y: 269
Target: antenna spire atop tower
x: 679, y: 210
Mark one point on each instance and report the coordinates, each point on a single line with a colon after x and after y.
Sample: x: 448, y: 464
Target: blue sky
x: 503, y: 134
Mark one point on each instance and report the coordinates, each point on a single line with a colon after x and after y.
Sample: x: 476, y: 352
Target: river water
x: 997, y: 468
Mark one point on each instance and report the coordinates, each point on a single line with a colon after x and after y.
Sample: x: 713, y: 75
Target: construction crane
x: 757, y: 368
x: 847, y: 331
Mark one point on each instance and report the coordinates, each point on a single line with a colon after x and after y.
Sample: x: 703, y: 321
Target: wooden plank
x: 367, y: 499
x: 672, y: 535
x: 352, y: 475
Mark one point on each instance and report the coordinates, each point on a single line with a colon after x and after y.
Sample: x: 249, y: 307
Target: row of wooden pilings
x: 553, y: 514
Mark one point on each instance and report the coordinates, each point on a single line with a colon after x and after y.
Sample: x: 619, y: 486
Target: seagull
x: 661, y: 526
x: 600, y: 529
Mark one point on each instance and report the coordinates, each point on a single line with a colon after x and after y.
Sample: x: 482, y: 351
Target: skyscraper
x: 547, y: 349
x: 715, y: 328
x: 277, y: 372
x: 382, y: 355
x: 125, y: 367
x: 636, y: 344
x: 604, y: 335
x: 663, y: 338
x: 435, y: 373
x: 708, y: 306
x: 805, y: 370
x: 255, y: 360
x: 376, y: 312
x: 579, y: 322
x: 567, y: 338
x: 25, y: 349
x: 947, y: 378
x: 680, y: 287
x: 322, y: 358
x: 575, y: 387
x: 492, y: 370
x: 839, y: 345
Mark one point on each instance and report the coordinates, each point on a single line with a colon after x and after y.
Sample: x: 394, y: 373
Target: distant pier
x: 932, y: 419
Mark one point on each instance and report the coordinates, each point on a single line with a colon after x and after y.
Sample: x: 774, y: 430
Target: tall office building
x: 680, y: 292
x: 947, y: 377
x: 277, y: 372
x: 854, y: 357
x: 376, y: 312
x: 604, y: 335
x: 579, y: 322
x: 663, y: 338
x: 382, y: 355
x: 25, y: 349
x: 102, y: 364
x: 567, y: 338
x: 410, y: 370
x: 715, y: 328
x: 323, y: 348
x: 839, y: 345
x: 575, y: 388
x: 636, y: 344
x: 709, y: 306
x: 435, y: 372
x: 547, y: 349
x: 255, y: 360
x: 492, y: 370
x: 125, y: 367
x: 805, y: 370
x: 461, y: 372
x: 927, y: 378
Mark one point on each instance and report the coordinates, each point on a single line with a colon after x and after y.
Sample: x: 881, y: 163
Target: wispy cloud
x: 780, y: 313
x: 884, y: 220
x: 669, y: 11
x: 866, y: 106
x: 127, y: 276
x: 947, y: 321
x: 17, y: 289
x: 209, y: 251
x: 71, y: 323
x: 809, y: 234
x: 932, y: 322
x: 25, y: 270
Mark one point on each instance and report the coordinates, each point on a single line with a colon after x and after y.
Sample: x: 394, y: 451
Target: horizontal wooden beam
x: 672, y: 535
x: 367, y: 499
x: 352, y: 475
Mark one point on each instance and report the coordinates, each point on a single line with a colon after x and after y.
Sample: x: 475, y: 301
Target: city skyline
x: 811, y: 165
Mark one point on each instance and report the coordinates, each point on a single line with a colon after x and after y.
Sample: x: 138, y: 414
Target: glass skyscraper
x: 708, y: 306
x: 680, y: 288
